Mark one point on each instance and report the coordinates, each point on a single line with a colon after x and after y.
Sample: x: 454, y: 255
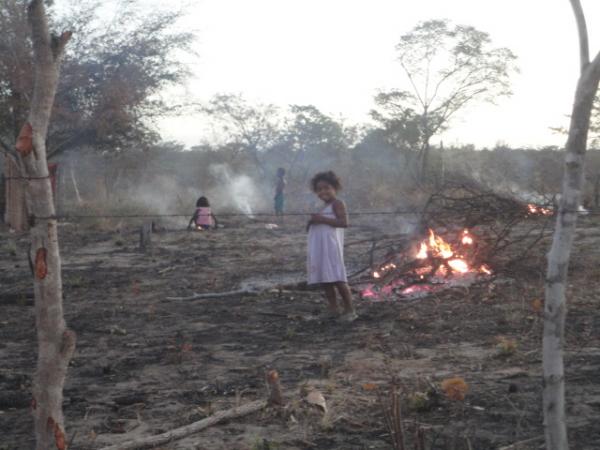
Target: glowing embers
x: 466, y: 239
x: 535, y: 210
x: 485, y: 270
x: 383, y: 270
x: 436, y: 264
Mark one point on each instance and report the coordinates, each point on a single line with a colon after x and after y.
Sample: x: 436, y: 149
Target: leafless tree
x: 559, y: 256
x: 448, y: 68
x: 56, y: 343
x: 252, y: 128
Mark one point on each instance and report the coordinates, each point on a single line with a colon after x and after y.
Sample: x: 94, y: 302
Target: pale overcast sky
x: 336, y: 54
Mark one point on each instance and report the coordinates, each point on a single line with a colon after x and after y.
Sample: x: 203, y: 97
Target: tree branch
x: 59, y: 43
x: 584, y: 50
x: 442, y: 80
x: 448, y: 111
x: 414, y: 86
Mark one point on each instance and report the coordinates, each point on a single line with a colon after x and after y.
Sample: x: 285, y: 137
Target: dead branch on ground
x: 275, y: 399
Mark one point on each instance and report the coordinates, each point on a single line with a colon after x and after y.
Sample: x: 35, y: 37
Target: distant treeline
x: 168, y: 178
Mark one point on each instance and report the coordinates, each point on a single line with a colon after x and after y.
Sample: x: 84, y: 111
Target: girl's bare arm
x: 193, y: 219
x: 341, y: 216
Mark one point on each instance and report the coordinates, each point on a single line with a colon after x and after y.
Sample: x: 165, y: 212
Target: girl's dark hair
x: 202, y: 203
x: 328, y: 177
x: 280, y: 172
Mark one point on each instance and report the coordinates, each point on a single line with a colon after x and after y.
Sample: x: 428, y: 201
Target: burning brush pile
x: 432, y: 265
x: 473, y: 226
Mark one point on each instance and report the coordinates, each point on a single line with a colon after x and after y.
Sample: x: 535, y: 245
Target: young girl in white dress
x: 326, y: 245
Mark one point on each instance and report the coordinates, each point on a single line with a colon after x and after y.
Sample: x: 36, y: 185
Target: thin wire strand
x: 250, y: 215
x: 28, y: 178
x: 263, y: 214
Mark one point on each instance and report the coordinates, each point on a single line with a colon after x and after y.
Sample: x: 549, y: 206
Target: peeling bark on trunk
x: 559, y: 256
x: 55, y: 342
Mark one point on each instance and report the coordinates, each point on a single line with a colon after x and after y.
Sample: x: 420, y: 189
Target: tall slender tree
x: 447, y: 68
x: 56, y: 343
x: 564, y: 233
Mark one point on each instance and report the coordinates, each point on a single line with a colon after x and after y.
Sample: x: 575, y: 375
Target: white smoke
x: 237, y: 190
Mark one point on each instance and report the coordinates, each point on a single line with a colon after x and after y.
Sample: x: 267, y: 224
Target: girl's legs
x: 346, y: 295
x: 331, y: 296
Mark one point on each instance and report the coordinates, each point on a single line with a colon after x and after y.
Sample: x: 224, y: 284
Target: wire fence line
x: 240, y: 214
x: 265, y: 214
x: 47, y: 177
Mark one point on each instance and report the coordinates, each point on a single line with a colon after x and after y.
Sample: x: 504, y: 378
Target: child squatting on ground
x: 203, y: 218
x: 326, y: 245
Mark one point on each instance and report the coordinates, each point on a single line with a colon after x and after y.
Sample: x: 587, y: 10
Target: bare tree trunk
x: 423, y: 160
x: 55, y: 342
x: 425, y: 148
x: 75, y: 187
x: 559, y: 256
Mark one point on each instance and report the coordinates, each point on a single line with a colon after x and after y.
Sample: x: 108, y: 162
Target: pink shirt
x: 204, y: 216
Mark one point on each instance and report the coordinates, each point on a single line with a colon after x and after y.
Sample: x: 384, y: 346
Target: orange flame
x: 422, y: 251
x: 449, y: 261
x: 434, y: 246
x: 438, y: 246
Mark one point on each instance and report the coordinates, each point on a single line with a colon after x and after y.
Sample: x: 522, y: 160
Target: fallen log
x: 275, y: 399
x: 216, y: 295
x: 518, y: 445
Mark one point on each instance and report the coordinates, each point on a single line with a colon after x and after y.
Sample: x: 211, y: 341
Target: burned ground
x: 145, y: 364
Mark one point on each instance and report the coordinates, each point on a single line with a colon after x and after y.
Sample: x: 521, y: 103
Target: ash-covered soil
x: 145, y: 364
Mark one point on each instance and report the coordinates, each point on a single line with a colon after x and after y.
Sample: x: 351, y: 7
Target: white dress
x: 326, y: 251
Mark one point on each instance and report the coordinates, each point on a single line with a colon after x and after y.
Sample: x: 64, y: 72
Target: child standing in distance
x: 203, y: 218
x: 326, y: 245
x: 279, y: 194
